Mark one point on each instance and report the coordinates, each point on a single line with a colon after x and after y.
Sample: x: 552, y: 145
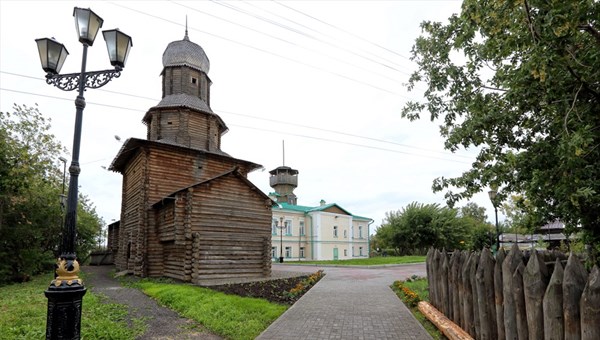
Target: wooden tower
x: 188, y: 210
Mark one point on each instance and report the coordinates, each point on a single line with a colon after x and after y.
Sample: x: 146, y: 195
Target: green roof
x: 305, y: 209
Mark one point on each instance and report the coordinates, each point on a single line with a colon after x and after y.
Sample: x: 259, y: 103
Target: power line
x: 342, y: 30
x: 235, y: 8
x: 263, y: 129
x: 334, y: 38
x: 268, y: 120
x: 352, y: 144
x: 290, y: 43
x: 269, y: 52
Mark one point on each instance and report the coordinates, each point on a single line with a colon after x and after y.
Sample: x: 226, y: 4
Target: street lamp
x: 63, y: 198
x: 492, y: 193
x: 66, y: 291
x: 280, y: 227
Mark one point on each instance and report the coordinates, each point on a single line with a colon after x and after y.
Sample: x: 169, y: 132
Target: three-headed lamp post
x: 66, y: 291
x: 493, y: 193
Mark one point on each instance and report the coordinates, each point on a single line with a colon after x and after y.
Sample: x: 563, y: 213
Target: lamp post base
x: 65, y: 295
x: 281, y: 259
x: 64, y: 312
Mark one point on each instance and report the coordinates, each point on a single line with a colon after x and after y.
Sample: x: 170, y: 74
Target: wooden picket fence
x: 516, y: 295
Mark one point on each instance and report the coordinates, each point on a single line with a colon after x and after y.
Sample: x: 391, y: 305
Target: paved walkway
x: 350, y: 303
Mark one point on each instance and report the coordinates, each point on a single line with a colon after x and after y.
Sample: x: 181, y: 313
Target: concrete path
x: 350, y: 303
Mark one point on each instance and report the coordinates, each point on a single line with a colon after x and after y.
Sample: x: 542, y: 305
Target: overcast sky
x: 325, y: 76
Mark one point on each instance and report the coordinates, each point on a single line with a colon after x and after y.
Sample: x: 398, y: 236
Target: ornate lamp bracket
x: 93, y: 80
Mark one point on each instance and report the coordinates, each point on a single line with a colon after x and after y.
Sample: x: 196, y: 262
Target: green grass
x: 23, y: 314
x: 371, y: 261
x: 418, y: 286
x: 230, y: 316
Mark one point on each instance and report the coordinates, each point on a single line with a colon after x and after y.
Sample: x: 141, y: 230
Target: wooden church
x: 188, y: 210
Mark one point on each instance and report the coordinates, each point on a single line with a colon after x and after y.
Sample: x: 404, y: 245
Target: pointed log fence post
x: 468, y: 296
x: 590, y: 307
x: 510, y: 264
x: 519, y: 303
x: 499, y: 294
x: 464, y: 255
x: 430, y: 277
x: 444, y: 283
x: 475, y: 306
x: 575, y: 277
x: 485, y: 295
x: 438, y: 259
x: 455, y: 287
x: 451, y: 282
x: 553, y: 305
x: 535, y: 280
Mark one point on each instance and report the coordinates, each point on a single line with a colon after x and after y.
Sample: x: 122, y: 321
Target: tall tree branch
x: 531, y: 28
x: 591, y: 30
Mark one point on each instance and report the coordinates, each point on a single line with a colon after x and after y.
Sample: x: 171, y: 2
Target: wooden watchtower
x: 188, y: 210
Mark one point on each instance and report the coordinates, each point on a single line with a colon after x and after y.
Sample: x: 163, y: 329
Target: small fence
x: 516, y: 295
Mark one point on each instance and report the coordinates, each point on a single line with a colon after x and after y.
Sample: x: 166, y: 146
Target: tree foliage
x: 420, y: 226
x: 30, y: 184
x: 519, y: 79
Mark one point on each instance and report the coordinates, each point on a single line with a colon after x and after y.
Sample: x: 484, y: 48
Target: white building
x: 323, y: 232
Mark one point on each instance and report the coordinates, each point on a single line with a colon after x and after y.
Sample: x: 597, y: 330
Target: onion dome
x: 186, y: 53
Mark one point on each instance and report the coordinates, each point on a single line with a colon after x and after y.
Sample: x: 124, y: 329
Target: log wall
x: 519, y: 295
x: 217, y: 229
x: 130, y: 240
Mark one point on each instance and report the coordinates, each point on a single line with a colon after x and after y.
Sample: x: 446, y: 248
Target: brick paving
x: 350, y: 303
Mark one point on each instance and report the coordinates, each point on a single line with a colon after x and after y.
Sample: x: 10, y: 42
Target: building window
x: 360, y: 251
x: 345, y: 252
x: 359, y: 231
x: 335, y: 234
x: 288, y: 252
x: 301, y: 228
x: 194, y: 81
x: 345, y: 233
x: 274, y: 252
x: 274, y: 227
x: 288, y: 227
x: 302, y: 252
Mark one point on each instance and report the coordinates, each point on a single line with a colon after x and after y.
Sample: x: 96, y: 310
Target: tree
x: 519, y: 212
x: 481, y: 233
x: 520, y: 81
x: 30, y: 184
x: 474, y: 211
x: 420, y: 226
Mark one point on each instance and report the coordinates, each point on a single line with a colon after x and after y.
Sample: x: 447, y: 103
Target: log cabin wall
x: 219, y: 229
x: 186, y: 80
x: 171, y: 169
x: 131, y: 213
x: 232, y: 227
x: 189, y: 128
x: 113, y: 239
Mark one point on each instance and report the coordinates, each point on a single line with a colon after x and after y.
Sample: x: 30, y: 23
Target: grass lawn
x: 411, y: 292
x: 230, y: 316
x: 23, y: 314
x: 371, y: 261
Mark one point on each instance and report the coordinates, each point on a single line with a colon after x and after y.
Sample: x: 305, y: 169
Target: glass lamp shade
x: 492, y: 194
x: 52, y: 54
x: 118, y: 45
x: 88, y: 24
